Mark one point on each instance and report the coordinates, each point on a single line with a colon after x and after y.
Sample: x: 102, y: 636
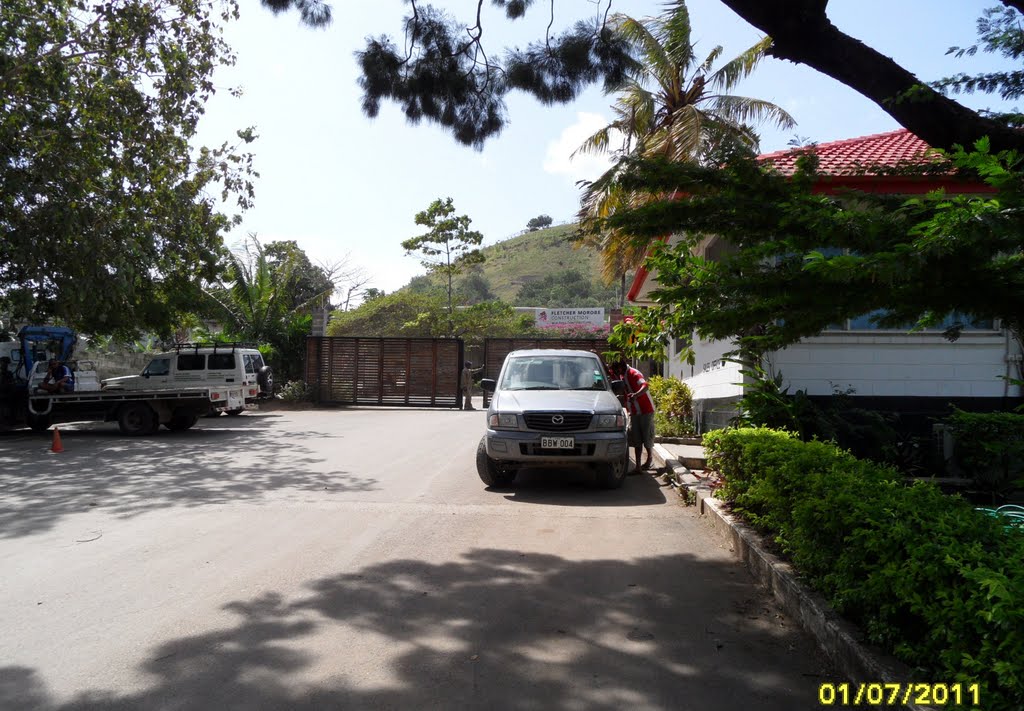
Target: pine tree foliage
x: 999, y: 32
x: 442, y: 72
x: 315, y: 13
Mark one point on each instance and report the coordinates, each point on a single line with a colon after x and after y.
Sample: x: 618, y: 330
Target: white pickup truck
x: 196, y: 365
x: 137, y: 412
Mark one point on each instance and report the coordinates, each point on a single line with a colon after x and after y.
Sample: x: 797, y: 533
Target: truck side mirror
x: 487, y: 385
x: 618, y: 387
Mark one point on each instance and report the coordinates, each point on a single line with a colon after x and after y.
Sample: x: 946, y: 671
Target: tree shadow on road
x: 497, y: 629
x: 234, y: 459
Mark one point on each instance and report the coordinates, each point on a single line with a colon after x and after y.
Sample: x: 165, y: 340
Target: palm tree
x: 267, y: 298
x: 254, y: 302
x: 674, y: 108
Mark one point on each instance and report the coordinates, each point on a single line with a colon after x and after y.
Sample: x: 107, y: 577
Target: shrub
x: 667, y: 427
x: 867, y: 433
x: 673, y: 404
x: 296, y: 391
x: 990, y: 448
x: 926, y: 577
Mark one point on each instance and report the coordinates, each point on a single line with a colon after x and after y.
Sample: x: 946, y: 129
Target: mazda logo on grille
x: 557, y: 419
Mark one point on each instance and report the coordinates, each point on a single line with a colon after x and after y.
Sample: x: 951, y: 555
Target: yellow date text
x: 882, y: 694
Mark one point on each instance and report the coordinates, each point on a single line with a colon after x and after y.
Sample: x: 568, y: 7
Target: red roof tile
x: 867, y: 164
x: 867, y: 155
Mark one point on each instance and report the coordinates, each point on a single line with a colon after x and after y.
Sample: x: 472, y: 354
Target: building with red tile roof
x: 891, y: 370
x: 845, y: 157
x: 897, y: 163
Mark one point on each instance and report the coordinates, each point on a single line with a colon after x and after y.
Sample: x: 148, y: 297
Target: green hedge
x: 928, y: 578
x: 673, y: 407
x: 990, y: 448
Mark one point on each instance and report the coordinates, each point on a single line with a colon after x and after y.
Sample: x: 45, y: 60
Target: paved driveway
x: 352, y: 559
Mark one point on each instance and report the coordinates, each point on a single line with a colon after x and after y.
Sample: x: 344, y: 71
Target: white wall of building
x: 901, y: 365
x: 710, y: 377
x: 869, y: 364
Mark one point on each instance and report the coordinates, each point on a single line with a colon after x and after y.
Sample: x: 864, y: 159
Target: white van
x: 203, y: 365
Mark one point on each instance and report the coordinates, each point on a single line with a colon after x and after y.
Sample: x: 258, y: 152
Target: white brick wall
x: 709, y: 378
x: 878, y: 364
x: 899, y: 365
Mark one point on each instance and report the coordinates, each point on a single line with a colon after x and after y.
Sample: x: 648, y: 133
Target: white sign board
x: 570, y: 317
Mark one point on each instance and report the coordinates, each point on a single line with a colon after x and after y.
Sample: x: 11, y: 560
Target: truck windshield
x: 158, y: 366
x: 554, y: 373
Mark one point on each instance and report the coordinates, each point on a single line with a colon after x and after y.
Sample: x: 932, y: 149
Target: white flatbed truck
x: 139, y: 412
x: 23, y: 402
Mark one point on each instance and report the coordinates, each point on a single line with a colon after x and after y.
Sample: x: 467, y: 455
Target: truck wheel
x: 181, y: 421
x: 39, y: 423
x: 611, y: 475
x: 491, y: 473
x: 265, y: 379
x: 237, y: 411
x: 137, y: 418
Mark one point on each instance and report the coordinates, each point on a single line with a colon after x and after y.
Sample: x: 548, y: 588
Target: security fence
x: 412, y: 372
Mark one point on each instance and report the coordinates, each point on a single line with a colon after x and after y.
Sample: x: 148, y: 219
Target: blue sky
x: 347, y: 187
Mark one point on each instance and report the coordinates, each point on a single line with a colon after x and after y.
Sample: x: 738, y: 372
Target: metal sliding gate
x: 495, y: 350
x: 412, y: 372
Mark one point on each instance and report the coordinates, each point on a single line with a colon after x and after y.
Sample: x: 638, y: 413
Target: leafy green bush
x: 667, y: 427
x: 867, y: 433
x: 673, y: 404
x: 926, y: 576
x: 296, y: 391
x: 990, y: 447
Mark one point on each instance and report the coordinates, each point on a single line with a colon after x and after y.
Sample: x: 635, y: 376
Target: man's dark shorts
x: 641, y: 431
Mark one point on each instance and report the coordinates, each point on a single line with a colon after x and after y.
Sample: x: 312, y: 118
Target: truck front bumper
x: 525, y: 447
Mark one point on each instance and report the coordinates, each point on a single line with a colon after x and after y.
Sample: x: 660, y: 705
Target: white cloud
x: 583, y: 166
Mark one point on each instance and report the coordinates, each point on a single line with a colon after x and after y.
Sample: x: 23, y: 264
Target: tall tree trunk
x: 802, y: 33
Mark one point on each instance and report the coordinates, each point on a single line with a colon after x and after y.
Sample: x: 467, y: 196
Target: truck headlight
x: 499, y: 421
x: 610, y: 422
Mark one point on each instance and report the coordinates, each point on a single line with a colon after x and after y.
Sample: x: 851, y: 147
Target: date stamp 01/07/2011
x: 892, y: 695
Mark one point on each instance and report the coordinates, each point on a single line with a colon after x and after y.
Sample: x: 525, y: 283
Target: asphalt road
x: 352, y: 559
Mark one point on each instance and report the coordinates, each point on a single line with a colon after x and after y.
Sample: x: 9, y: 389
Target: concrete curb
x: 677, y: 472
x: 687, y: 464
x: 837, y: 638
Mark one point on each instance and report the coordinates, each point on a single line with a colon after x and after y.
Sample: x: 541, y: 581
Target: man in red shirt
x: 641, y: 412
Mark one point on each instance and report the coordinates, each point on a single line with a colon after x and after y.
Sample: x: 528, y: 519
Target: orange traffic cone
x: 57, y: 446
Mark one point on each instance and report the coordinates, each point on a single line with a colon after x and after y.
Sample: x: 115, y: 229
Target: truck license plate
x: 557, y: 442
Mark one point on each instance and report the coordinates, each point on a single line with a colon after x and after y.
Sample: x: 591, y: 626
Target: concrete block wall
x: 113, y: 365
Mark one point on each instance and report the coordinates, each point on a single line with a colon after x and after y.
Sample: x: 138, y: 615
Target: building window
x: 865, y: 323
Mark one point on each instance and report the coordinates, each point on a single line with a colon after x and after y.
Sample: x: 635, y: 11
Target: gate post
x: 462, y: 359
x: 487, y: 395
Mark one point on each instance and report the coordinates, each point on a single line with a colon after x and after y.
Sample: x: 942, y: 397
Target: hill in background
x: 538, y: 261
